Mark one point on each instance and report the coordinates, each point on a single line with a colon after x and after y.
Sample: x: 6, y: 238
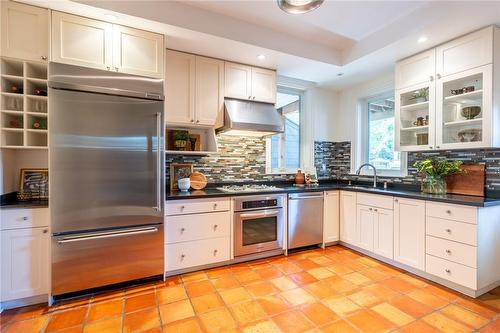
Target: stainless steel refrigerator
x: 106, y: 165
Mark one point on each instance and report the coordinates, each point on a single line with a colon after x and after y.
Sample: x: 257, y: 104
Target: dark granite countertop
x: 9, y: 200
x: 401, y: 191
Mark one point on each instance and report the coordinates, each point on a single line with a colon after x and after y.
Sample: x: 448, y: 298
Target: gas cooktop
x: 248, y: 188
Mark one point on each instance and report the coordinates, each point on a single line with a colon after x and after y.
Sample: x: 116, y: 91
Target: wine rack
x: 23, y: 104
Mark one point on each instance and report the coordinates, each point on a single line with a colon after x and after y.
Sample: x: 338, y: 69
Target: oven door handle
x: 265, y: 213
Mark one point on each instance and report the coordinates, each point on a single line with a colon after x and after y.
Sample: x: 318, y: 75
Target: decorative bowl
x: 470, y: 112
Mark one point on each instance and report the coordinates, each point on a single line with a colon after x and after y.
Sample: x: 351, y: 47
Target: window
x: 379, y: 143
x: 283, y: 150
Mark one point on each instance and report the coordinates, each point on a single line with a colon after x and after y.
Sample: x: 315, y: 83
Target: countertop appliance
x: 305, y: 219
x: 106, y: 177
x: 248, y: 188
x: 258, y: 224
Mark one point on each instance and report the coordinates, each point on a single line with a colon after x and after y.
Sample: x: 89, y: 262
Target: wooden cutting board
x: 469, y: 182
x: 198, y: 180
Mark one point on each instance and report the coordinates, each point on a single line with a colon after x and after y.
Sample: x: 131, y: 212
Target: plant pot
x: 433, y: 185
x: 180, y: 144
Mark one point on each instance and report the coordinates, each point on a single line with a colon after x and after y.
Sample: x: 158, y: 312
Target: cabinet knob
x: 215, y: 206
x: 448, y: 211
x: 192, y: 120
x: 431, y: 78
x: 375, y: 209
x: 430, y: 147
x: 182, y: 230
x: 396, y: 200
x: 25, y: 218
x: 215, y: 252
x: 182, y: 207
x: 215, y: 227
x: 249, y: 97
x: 370, y: 208
x: 116, y: 69
x: 447, y: 271
x: 437, y: 147
x: 197, y: 121
x: 448, y: 251
x: 182, y: 257
x: 43, y: 57
x: 438, y: 76
x: 448, y: 231
x: 253, y: 97
x: 108, y: 68
x: 45, y: 231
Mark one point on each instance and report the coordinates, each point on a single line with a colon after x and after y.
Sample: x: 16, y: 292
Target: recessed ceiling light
x: 422, y: 39
x: 261, y: 57
x: 299, y: 6
x: 110, y: 17
x: 340, y: 74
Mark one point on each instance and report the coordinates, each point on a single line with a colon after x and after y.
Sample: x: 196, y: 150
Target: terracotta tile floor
x: 331, y: 290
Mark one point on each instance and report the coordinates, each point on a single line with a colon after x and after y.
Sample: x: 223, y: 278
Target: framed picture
x: 35, y: 182
x: 179, y: 171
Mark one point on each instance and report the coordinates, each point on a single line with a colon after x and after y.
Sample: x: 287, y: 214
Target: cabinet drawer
x: 13, y: 218
x: 460, y: 274
x: 457, y: 252
x: 197, y: 206
x: 181, y: 228
x: 452, y: 212
x: 196, y: 253
x: 452, y: 230
x: 373, y: 200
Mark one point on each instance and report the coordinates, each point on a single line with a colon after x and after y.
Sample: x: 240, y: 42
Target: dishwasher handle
x: 297, y: 196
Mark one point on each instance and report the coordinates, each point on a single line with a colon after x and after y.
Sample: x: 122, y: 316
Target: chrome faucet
x: 374, y: 172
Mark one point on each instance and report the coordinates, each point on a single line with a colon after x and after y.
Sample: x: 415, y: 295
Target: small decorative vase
x: 433, y: 185
x: 300, y: 177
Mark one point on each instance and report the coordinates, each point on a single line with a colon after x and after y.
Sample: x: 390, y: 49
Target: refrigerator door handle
x: 108, y: 234
x: 158, y: 163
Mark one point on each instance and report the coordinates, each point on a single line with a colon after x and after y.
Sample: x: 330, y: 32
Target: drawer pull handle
x: 215, y: 253
x: 182, y: 230
x: 447, y: 271
x: 25, y: 218
x: 448, y: 251
x: 182, y: 257
x: 448, y: 231
x: 215, y: 206
x: 45, y: 231
x: 215, y: 227
x: 448, y: 211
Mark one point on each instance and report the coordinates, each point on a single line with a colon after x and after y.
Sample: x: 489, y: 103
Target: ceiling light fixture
x: 261, y: 57
x: 299, y: 6
x: 422, y: 39
x: 340, y: 74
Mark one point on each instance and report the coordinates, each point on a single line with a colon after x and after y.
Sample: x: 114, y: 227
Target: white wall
x: 13, y: 160
x: 346, y: 120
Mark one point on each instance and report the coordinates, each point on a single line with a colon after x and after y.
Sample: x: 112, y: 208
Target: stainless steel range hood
x: 249, y: 118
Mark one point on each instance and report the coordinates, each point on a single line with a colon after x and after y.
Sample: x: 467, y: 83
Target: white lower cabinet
x: 348, y: 221
x: 331, y: 227
x: 365, y: 221
x: 24, y: 256
x: 383, y: 233
x: 197, y: 232
x: 409, y: 232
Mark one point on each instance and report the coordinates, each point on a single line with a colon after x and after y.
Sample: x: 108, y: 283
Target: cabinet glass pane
x: 414, y: 117
x: 462, y: 109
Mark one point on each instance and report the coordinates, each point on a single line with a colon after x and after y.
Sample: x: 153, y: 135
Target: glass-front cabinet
x: 415, y: 117
x: 464, y: 109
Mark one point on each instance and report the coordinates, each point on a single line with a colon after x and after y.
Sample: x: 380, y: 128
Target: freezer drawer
x: 89, y: 260
x: 305, y: 219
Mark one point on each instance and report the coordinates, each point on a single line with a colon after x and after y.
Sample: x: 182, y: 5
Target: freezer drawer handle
x: 265, y: 213
x: 121, y: 233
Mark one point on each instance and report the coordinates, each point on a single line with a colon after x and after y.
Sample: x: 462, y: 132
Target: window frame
x: 284, y: 171
x: 363, y: 140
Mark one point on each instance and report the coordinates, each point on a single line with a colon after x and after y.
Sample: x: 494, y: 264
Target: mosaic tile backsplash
x: 333, y: 161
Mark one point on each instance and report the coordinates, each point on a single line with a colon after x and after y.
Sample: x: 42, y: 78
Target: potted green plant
x: 420, y: 96
x: 434, y: 172
x: 180, y: 139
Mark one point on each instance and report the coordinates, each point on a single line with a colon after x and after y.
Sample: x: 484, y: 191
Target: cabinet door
x: 409, y: 232
x: 263, y: 85
x: 417, y: 69
x: 137, y: 51
x: 25, y: 263
x: 81, y: 41
x: 467, y: 52
x: 383, y: 240
x: 415, y: 115
x: 179, y: 88
x: 25, y: 31
x: 331, y: 227
x: 209, y: 93
x: 464, y: 119
x: 365, y: 221
x: 348, y: 229
x: 238, y: 81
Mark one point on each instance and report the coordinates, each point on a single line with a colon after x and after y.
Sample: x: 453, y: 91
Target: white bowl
x: 184, y: 184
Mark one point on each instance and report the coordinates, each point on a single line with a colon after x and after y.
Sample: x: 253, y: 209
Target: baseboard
x: 16, y: 303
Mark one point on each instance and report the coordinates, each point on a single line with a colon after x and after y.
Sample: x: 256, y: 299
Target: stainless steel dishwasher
x: 305, y: 219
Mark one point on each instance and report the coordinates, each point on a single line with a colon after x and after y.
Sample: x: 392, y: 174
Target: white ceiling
x: 361, y: 39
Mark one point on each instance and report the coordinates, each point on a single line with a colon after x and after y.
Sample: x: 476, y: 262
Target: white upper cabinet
x: 193, y: 90
x: 137, y: 51
x: 92, y: 43
x: 409, y: 232
x: 263, y: 85
x: 238, y: 81
x: 81, y: 41
x: 179, y: 87
x: 470, y: 51
x: 209, y: 91
x: 250, y: 83
x: 416, y: 69
x: 25, y: 31
x: 331, y: 227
